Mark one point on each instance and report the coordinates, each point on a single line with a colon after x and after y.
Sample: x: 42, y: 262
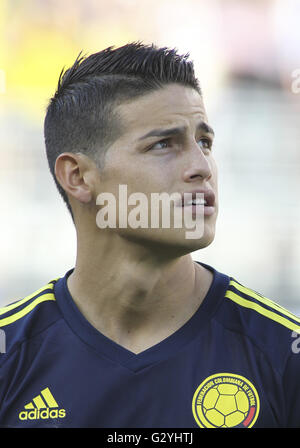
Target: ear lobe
x: 70, y: 172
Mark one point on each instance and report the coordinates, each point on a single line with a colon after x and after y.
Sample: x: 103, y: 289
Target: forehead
x: 171, y: 105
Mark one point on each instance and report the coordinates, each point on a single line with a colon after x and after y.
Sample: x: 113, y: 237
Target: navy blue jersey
x: 235, y: 363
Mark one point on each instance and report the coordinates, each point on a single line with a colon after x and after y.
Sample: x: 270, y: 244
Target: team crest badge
x: 226, y: 400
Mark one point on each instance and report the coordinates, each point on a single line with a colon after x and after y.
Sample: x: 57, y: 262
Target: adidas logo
x: 42, y: 406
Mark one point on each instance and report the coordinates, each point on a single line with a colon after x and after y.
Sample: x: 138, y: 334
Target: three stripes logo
x: 43, y: 406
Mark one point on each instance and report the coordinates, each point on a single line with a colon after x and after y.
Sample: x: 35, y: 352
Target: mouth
x: 199, y: 201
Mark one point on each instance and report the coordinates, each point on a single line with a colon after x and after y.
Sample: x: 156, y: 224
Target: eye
x: 162, y: 144
x: 205, y: 143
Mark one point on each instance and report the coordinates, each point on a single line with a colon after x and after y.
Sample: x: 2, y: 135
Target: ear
x: 73, y: 174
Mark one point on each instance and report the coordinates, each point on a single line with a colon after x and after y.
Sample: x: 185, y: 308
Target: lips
x: 197, y: 200
x: 204, y: 197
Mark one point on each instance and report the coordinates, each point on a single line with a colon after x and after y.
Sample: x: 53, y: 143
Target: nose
x: 197, y: 165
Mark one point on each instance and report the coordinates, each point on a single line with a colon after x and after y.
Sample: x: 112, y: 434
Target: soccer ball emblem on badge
x: 226, y: 400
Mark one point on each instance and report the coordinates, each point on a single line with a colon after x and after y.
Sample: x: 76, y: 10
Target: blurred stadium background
x: 245, y: 53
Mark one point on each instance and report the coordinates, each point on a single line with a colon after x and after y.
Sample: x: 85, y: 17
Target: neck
x: 132, y: 295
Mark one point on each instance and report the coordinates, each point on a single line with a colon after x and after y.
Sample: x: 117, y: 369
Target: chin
x: 192, y: 245
x: 173, y: 243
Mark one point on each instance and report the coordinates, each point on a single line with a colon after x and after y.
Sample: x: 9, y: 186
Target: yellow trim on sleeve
x: 264, y: 300
x: 261, y: 310
x: 7, y: 308
x: 10, y: 319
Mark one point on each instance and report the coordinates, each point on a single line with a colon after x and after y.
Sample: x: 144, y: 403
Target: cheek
x: 148, y: 177
x: 135, y: 178
x: 140, y: 174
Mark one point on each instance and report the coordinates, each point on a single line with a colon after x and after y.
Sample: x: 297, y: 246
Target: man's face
x: 176, y: 158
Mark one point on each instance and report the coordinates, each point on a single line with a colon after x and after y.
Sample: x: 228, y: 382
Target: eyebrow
x: 202, y: 126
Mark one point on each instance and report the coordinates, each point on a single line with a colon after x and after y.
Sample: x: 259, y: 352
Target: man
x: 138, y: 334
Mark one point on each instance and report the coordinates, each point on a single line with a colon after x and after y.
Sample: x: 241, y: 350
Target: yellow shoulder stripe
x: 261, y: 310
x: 7, y: 308
x: 264, y: 300
x: 8, y: 320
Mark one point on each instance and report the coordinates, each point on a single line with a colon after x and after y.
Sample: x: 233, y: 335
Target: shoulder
x: 27, y: 317
x: 266, y: 324
x: 267, y: 311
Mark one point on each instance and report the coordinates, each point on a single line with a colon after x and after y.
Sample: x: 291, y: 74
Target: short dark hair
x: 80, y: 117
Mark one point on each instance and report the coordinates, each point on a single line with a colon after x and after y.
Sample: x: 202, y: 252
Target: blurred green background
x: 245, y: 54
